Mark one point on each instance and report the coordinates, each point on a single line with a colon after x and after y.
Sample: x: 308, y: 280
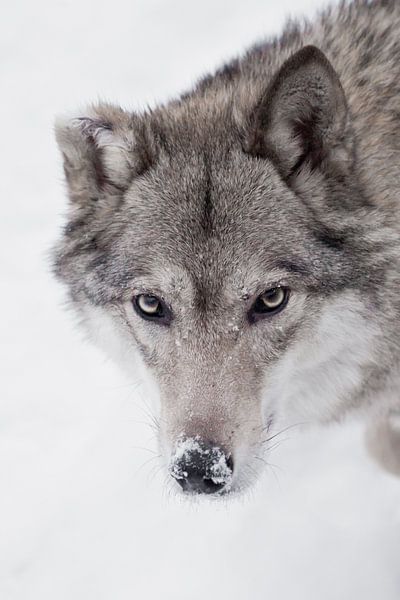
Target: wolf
x: 238, y: 246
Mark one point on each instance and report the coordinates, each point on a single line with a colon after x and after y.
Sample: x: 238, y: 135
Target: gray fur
x: 281, y: 168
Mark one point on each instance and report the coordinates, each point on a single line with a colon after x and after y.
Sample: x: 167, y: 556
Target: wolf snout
x: 201, y: 467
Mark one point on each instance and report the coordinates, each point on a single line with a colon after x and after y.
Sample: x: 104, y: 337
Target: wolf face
x: 224, y: 243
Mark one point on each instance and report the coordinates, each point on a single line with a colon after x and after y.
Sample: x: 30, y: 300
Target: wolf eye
x: 269, y: 303
x: 151, y: 308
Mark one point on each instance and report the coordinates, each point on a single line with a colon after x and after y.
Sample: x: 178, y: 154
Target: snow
x: 190, y: 449
x: 85, y: 510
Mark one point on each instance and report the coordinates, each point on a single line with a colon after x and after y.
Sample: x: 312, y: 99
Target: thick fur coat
x: 281, y: 171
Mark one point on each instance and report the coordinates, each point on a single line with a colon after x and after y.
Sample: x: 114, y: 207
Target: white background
x: 83, y: 515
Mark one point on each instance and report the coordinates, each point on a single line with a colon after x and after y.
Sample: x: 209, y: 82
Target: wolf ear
x: 302, y: 116
x: 103, y: 149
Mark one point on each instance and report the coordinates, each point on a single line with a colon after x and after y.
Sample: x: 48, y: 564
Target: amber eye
x: 269, y: 303
x: 152, y: 308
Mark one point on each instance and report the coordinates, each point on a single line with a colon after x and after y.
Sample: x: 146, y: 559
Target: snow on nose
x: 201, y: 467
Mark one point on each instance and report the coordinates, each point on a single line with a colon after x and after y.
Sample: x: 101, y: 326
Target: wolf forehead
x: 207, y: 202
x: 223, y: 219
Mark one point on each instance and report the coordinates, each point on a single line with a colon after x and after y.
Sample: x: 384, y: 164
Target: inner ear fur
x: 302, y: 117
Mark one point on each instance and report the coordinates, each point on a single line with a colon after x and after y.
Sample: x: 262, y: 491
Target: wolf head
x: 223, y: 242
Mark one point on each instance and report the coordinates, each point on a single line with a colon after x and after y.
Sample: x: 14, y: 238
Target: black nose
x: 201, y: 467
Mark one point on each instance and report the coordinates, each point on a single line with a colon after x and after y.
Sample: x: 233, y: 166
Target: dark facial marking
x: 292, y: 267
x: 207, y: 206
x: 333, y: 240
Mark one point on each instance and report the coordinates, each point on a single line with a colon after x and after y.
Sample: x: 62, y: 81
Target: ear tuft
x: 302, y: 116
x: 103, y: 150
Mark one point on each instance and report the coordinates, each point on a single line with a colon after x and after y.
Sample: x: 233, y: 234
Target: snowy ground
x: 84, y: 514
